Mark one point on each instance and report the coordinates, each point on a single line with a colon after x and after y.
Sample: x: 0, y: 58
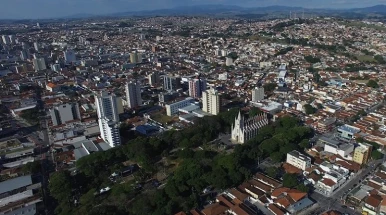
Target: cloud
x: 16, y: 9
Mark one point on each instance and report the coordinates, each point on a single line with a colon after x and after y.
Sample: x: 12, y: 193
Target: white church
x: 245, y: 129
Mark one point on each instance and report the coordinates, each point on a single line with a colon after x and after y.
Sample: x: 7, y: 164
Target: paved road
x: 334, y: 202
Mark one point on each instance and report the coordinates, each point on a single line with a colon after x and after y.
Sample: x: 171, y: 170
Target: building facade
x: 196, y: 87
x: 154, y: 79
x: 258, y: 94
x: 108, y: 118
x: 298, y: 160
x: 244, y: 130
x: 362, y: 153
x: 62, y: 113
x: 211, y: 102
x: 171, y: 83
x: 172, y: 108
x: 39, y: 64
x: 133, y: 94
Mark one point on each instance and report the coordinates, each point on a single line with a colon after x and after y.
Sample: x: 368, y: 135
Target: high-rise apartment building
x: 196, y: 87
x: 69, y: 56
x: 172, y: 83
x: 36, y: 46
x: 133, y: 94
x: 62, y: 113
x: 154, y: 79
x: 108, y: 118
x: 211, y: 102
x: 39, y: 64
x: 6, y: 40
x: 258, y: 94
x: 135, y: 57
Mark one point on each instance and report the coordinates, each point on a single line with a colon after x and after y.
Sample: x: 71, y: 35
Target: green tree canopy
x: 372, y: 83
x: 309, y: 109
x: 290, y: 180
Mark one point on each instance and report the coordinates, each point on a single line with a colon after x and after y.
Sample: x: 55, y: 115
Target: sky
x: 33, y: 9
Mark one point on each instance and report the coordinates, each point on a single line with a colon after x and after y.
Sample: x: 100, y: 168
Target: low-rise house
x: 372, y: 205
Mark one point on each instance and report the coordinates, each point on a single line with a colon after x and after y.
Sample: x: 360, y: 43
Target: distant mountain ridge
x: 212, y: 9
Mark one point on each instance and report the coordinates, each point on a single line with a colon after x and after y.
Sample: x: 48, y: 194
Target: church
x: 245, y: 129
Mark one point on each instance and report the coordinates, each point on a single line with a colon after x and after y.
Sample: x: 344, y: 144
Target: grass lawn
x: 162, y: 118
x: 366, y: 58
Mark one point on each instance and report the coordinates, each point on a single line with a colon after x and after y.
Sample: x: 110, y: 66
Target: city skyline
x: 39, y: 9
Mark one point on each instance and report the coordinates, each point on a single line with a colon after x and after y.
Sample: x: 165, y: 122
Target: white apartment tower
x: 62, y: 113
x: 133, y: 94
x: 108, y: 118
x: 258, y: 94
x: 211, y: 102
x: 244, y: 130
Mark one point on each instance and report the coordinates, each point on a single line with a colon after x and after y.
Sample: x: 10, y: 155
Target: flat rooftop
x: 15, y: 183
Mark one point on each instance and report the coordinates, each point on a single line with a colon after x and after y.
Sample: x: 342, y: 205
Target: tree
x: 272, y: 171
x: 376, y: 155
x: 309, y: 109
x: 277, y: 156
x: 270, y: 87
x: 372, y: 83
x: 60, y: 187
x: 254, y: 111
x: 305, y: 144
x: 290, y: 180
x: 303, y: 188
x: 32, y: 167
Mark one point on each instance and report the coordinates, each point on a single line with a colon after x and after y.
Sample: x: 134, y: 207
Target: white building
x: 229, y: 61
x: 211, y: 102
x: 60, y: 114
x: 298, y: 160
x: 172, y: 108
x: 108, y: 118
x: 258, y: 94
x: 133, y: 94
x: 110, y: 132
x: 343, y: 149
x: 244, y: 130
x: 6, y: 40
x: 69, y: 56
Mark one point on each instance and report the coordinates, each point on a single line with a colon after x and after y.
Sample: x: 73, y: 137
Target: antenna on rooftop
x: 295, y: 15
x: 290, y: 14
x: 303, y: 14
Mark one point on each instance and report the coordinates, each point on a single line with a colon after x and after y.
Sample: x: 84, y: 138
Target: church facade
x: 245, y: 129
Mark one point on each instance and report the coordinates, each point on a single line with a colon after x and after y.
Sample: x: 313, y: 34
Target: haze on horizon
x: 35, y: 9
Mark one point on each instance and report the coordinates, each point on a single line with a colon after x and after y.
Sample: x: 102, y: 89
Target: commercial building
x: 39, y: 64
x: 258, y: 94
x: 196, y: 87
x: 172, y: 108
x: 62, y: 113
x: 19, y: 196
x: 133, y: 94
x: 348, y: 131
x: 108, y: 118
x: 362, y: 153
x: 211, y: 102
x: 172, y: 83
x: 298, y: 160
x: 337, y: 148
x: 244, y: 130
